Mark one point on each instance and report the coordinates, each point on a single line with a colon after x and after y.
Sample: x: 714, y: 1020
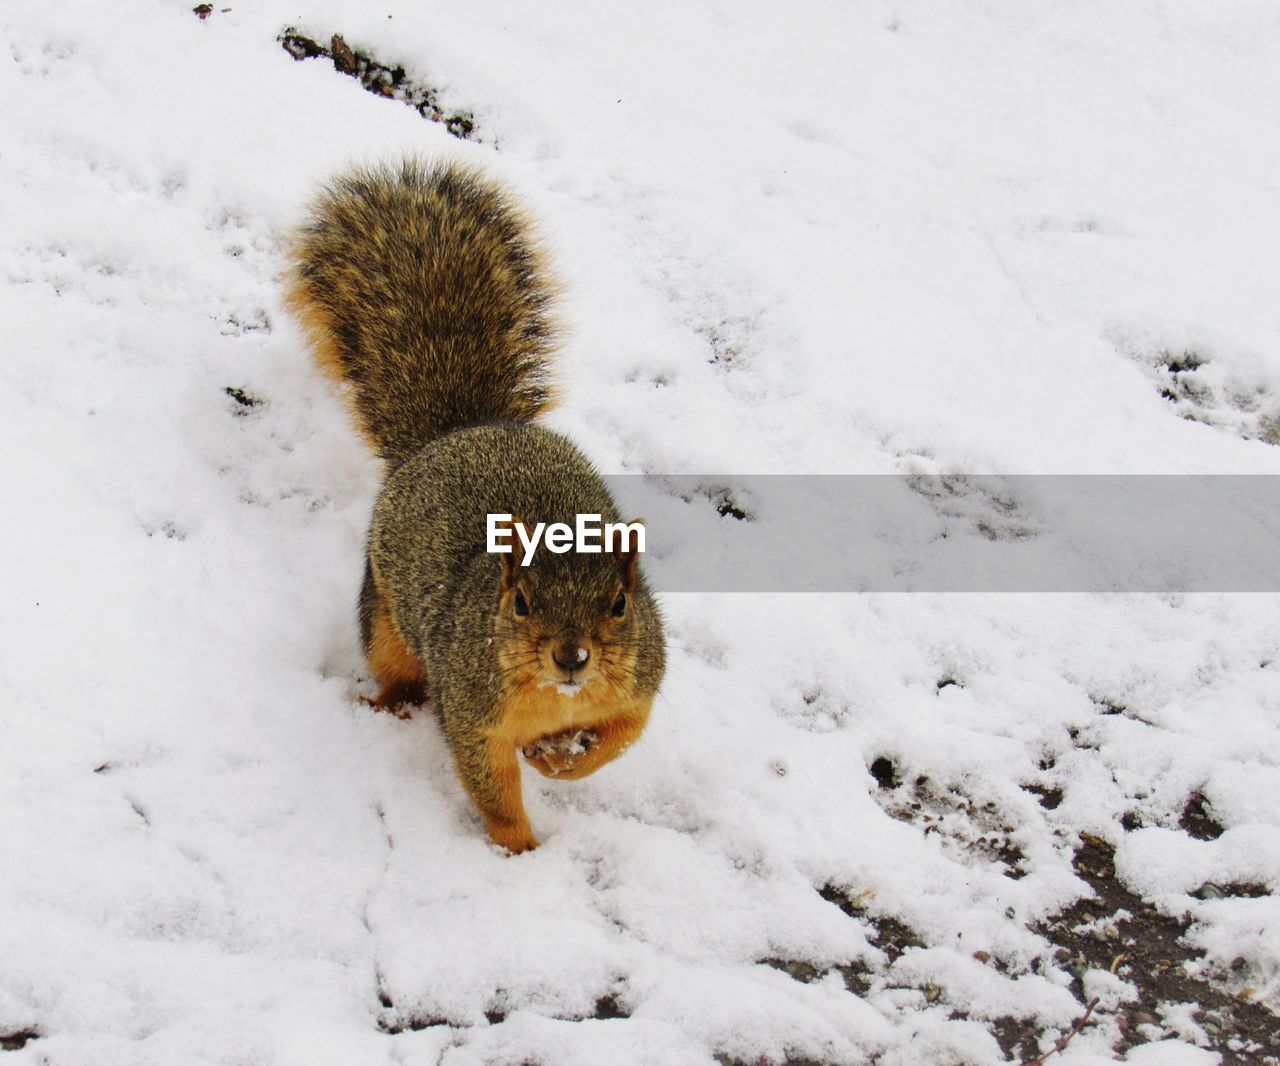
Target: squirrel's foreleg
x: 489, y: 772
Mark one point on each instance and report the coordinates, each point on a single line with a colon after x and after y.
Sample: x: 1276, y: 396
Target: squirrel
x: 422, y: 291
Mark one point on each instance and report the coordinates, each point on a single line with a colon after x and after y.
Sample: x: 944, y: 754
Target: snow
x: 880, y: 238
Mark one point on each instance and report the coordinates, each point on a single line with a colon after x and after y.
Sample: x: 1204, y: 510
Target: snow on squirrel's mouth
x: 565, y: 688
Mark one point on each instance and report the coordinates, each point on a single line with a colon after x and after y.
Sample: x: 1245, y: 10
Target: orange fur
x: 536, y: 712
x: 608, y: 705
x: 504, y: 814
x: 392, y: 663
x: 613, y: 737
x: 533, y: 714
x: 318, y: 334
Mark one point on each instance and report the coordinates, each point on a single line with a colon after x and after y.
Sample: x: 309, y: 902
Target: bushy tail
x: 422, y: 287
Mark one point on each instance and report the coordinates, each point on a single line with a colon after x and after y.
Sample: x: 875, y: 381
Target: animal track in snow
x: 1208, y: 380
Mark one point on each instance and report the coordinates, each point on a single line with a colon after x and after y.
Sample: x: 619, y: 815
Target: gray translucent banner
x: 957, y: 533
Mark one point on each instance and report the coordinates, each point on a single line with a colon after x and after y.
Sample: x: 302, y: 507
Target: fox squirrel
x: 421, y: 290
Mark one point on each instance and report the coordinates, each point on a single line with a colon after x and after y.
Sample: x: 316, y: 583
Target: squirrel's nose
x: 571, y: 655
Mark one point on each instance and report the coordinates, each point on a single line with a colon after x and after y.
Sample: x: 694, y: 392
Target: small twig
x: 1064, y: 1041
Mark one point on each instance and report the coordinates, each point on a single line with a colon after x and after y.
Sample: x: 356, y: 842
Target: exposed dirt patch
x: 1197, y: 819
x: 885, y: 773
x: 1113, y: 931
x: 971, y: 831
x: 1119, y: 932
x: 1232, y: 890
x: 17, y: 1040
x: 393, y: 1024
x: 380, y: 79
x: 245, y: 401
x: 889, y: 934
x: 392, y: 1021
x: 609, y: 1008
x: 726, y: 508
x: 1018, y: 1038
x: 1050, y: 798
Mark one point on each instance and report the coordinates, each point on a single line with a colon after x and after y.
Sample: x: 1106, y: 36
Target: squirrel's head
x: 569, y: 620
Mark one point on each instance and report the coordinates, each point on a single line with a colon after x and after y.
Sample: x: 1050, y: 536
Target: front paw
x: 559, y: 753
x: 516, y: 838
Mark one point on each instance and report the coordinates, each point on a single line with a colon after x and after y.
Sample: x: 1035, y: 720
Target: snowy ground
x: 888, y: 237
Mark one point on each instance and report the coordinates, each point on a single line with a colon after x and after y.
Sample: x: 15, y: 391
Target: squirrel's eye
x: 520, y: 605
x: 620, y: 605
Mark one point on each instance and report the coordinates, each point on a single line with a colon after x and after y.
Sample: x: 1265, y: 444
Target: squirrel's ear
x: 511, y: 560
x: 628, y: 553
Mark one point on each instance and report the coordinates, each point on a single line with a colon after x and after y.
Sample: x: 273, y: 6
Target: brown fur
x: 393, y: 663
x: 421, y: 291
x: 315, y: 324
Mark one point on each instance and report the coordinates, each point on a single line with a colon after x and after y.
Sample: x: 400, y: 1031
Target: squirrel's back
x: 422, y: 287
